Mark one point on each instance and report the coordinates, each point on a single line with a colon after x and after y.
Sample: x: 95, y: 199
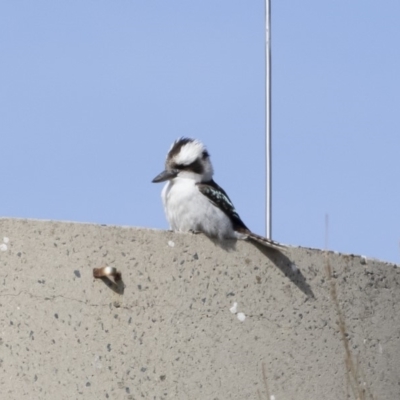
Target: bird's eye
x: 205, y: 154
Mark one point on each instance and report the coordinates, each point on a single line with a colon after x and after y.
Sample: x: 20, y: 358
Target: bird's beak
x: 165, y: 175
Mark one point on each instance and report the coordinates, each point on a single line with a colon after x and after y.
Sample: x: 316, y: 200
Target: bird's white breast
x: 187, y: 209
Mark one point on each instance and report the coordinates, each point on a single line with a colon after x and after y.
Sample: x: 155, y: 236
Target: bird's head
x: 189, y: 159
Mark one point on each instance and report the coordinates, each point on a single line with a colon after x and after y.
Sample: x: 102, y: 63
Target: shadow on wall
x: 277, y: 257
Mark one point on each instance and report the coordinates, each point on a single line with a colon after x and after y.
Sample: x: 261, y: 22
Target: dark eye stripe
x: 196, y: 167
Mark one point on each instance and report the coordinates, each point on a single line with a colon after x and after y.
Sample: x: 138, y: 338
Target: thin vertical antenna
x: 268, y: 151
x: 326, y: 232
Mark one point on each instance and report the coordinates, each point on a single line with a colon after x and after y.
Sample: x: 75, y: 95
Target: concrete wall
x: 171, y: 333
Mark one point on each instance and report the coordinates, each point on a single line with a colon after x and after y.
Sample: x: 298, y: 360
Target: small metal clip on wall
x: 111, y: 277
x: 107, y: 272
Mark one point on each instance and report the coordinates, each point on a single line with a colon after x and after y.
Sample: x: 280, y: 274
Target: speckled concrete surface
x: 172, y: 333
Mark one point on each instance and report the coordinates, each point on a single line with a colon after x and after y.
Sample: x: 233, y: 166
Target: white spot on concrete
x: 3, y: 247
x: 241, y: 317
x: 363, y: 260
x: 6, y: 239
x: 97, y: 362
x: 171, y: 243
x: 294, y: 267
x: 233, y: 309
x: 272, y: 397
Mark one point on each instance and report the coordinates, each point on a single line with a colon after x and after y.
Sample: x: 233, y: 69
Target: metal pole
x: 268, y: 151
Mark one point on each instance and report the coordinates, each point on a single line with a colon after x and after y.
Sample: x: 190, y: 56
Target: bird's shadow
x: 289, y: 268
x: 278, y: 258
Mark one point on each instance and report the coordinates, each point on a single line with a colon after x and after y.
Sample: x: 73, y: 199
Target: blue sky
x: 92, y: 94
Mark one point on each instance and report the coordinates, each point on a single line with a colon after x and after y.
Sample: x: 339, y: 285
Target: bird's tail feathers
x: 265, y: 242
